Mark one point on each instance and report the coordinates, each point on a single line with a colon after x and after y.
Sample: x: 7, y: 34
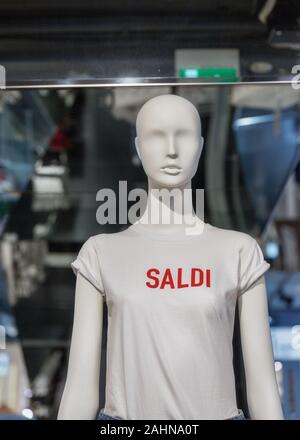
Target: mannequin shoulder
x: 92, y: 241
x: 105, y: 238
x: 230, y: 237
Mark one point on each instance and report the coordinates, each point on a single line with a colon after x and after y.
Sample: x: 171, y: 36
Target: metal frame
x: 130, y: 82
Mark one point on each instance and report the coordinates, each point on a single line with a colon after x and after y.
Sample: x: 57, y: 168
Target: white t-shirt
x: 171, y: 303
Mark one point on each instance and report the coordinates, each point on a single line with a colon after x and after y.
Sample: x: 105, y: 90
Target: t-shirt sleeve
x: 87, y: 264
x: 252, y: 264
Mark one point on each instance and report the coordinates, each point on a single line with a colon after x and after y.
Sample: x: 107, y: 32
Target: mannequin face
x: 169, y: 141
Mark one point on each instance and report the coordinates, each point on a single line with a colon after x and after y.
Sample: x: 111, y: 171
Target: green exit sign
x: 218, y: 73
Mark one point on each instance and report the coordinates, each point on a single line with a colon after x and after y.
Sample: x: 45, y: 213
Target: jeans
x: 240, y: 416
x: 103, y: 416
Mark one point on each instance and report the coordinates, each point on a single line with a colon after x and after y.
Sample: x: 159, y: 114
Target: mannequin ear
x: 201, y: 142
x: 136, y: 141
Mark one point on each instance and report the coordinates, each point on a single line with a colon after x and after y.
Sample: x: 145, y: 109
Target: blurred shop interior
x: 61, y: 141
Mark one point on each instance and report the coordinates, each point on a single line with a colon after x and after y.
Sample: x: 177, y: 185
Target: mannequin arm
x: 262, y: 390
x: 80, y: 398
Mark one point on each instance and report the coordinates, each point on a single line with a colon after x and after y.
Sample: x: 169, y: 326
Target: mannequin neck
x: 169, y: 209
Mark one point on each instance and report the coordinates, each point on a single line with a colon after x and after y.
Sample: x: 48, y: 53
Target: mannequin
x: 169, y: 144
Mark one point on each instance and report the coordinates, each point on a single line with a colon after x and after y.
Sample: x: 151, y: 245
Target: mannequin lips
x: 171, y: 169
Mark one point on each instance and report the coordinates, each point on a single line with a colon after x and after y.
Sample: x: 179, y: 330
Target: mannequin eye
x: 157, y: 133
x: 184, y: 132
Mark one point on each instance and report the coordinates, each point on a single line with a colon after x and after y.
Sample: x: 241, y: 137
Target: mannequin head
x: 169, y: 141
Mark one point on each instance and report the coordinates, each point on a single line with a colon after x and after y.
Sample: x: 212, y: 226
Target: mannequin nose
x: 171, y: 147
